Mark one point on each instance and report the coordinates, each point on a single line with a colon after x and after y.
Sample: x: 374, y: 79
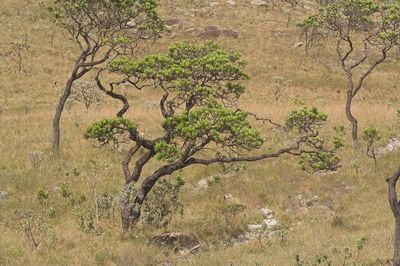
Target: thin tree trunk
x: 396, y: 253
x: 58, y: 113
x: 394, y: 205
x: 352, y: 119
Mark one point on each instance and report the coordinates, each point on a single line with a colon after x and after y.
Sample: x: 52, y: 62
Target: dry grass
x: 27, y: 104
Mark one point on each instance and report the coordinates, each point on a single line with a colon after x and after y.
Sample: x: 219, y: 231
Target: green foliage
x: 338, y: 138
x: 34, y: 227
x: 106, y: 205
x: 77, y: 199
x: 371, y: 135
x: 65, y: 190
x: 52, y: 212
x: 346, y: 16
x: 163, y: 203
x: 202, y: 74
x: 218, y: 124
x: 339, y: 256
x: 324, y: 160
x: 86, y: 219
x: 167, y: 152
x: 108, y: 129
x: 108, y: 21
x: 305, y: 120
x: 42, y: 195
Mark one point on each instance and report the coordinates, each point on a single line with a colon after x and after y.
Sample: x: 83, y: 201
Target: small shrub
x: 339, y: 256
x: 279, y: 85
x: 163, y: 203
x: 34, y: 228
x: 86, y: 220
x: 51, y: 212
x: 106, y: 205
x: 77, y: 199
x: 42, y: 195
x: 76, y: 171
x: 35, y: 157
x: 65, y: 191
x: 371, y: 136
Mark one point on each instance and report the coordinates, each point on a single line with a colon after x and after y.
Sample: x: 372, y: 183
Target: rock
x: 303, y: 210
x: 393, y: 145
x: 210, y: 34
x: 212, y: 28
x: 206, y: 182
x: 228, y: 197
x: 271, y: 223
x: 192, y: 31
x: 255, y: 227
x: 259, y: 3
x: 230, y: 33
x: 214, y: 4
x: 311, y: 201
x: 173, y: 22
x: 298, y: 44
x: 3, y: 195
x: 267, y: 213
x: 180, y: 242
x: 231, y: 2
x: 203, y: 183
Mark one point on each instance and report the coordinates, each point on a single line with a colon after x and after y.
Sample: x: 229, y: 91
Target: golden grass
x: 27, y: 101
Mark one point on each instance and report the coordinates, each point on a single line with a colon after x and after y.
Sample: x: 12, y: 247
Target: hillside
x: 317, y: 212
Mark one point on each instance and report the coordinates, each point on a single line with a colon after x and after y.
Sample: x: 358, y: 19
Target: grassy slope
x: 27, y: 102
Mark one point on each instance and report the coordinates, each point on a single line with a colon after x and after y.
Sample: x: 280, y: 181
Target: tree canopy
x: 202, y: 122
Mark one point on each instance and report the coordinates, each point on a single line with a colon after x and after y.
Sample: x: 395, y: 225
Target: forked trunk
x: 352, y: 119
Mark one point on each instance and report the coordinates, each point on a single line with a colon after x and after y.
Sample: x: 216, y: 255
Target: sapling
x: 371, y: 136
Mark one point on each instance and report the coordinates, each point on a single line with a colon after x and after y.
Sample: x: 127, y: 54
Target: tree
x: 371, y: 136
x: 102, y: 29
x: 365, y: 32
x: 201, y: 125
x: 395, y: 206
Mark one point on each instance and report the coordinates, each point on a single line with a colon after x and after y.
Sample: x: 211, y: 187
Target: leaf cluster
x: 107, y: 130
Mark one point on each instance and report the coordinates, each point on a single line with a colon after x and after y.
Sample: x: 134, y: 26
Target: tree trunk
x: 396, y: 253
x: 394, y: 205
x: 57, y: 115
x: 352, y: 119
x: 130, y: 213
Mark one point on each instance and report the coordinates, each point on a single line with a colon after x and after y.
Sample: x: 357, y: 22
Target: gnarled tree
x: 201, y: 123
x: 102, y: 29
x: 364, y: 32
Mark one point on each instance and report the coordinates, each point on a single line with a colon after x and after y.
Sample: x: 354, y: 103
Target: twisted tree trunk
x: 352, y: 119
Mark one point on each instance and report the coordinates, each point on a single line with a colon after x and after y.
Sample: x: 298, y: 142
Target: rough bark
x: 352, y: 119
x: 395, y: 206
x: 131, y: 211
x: 58, y: 113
